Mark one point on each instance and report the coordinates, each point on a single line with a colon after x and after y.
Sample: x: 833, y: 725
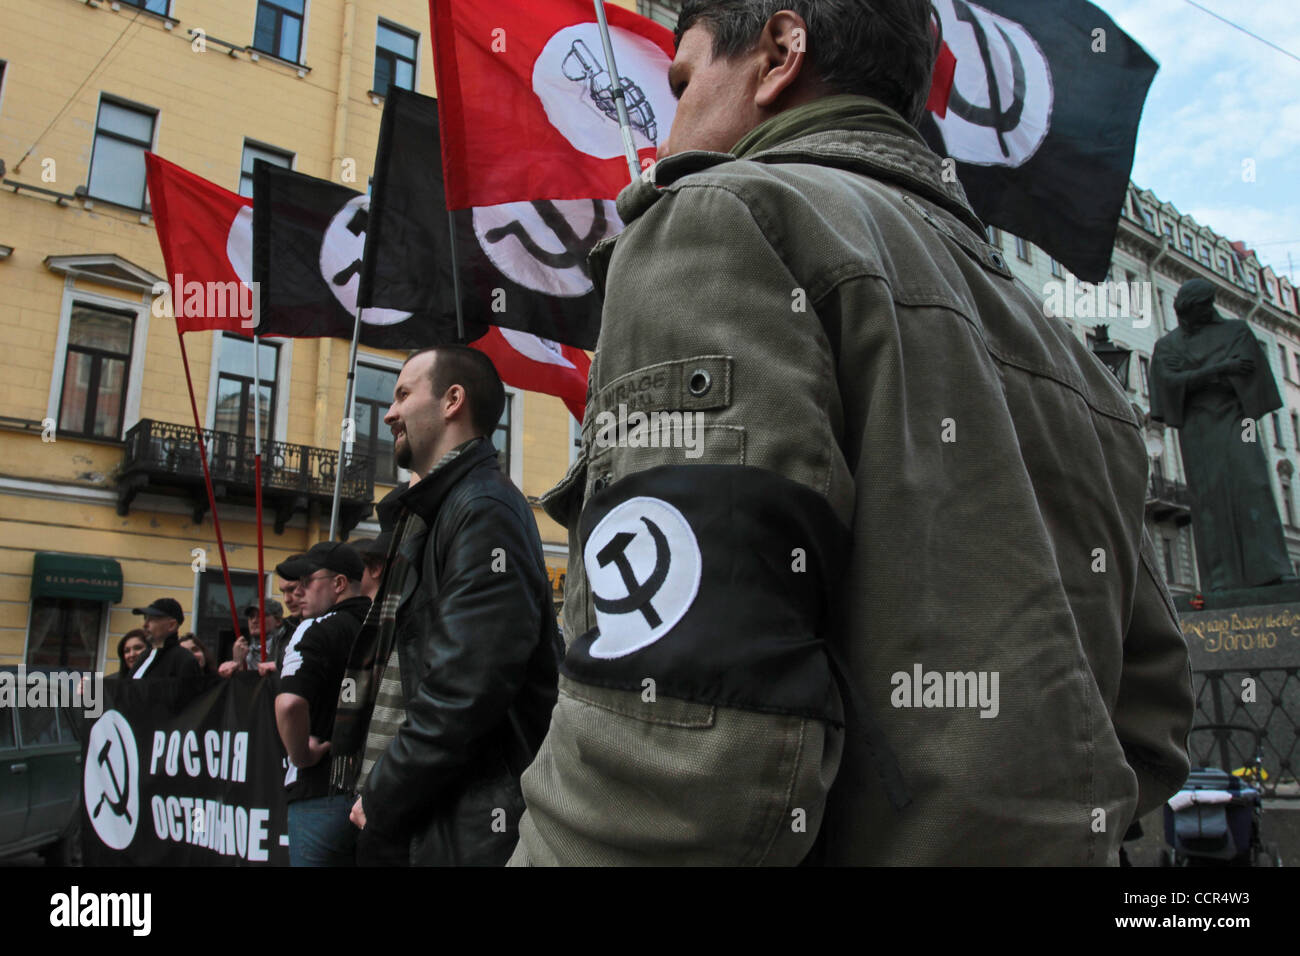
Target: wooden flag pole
x: 347, y: 423
x: 257, y: 479
x: 207, y: 482
x: 624, y: 124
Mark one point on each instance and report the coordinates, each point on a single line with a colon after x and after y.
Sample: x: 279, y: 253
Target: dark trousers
x: 320, y: 833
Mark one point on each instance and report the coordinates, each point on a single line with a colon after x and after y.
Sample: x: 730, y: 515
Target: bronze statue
x: 1208, y: 377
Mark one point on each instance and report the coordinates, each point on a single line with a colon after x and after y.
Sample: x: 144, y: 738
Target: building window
x: 1295, y: 428
x: 1056, y: 269
x: 1251, y: 282
x: 95, y: 372
x: 1287, y: 507
x: 1286, y: 366
x: 1170, y: 566
x: 394, y: 58
x: 252, y: 153
x: 211, y: 617
x: 1205, y: 256
x: 1160, y: 306
x: 65, y: 633
x: 235, y: 406
x: 278, y: 30
x: 374, y: 396
x: 1168, y: 229
x: 1188, y: 246
x: 153, y: 6
x: 122, y: 136
x: 995, y: 235
x: 501, y: 436
x: 1144, y: 364
x: 663, y: 12
x: 1022, y: 249
x: 1277, y: 433
x: 1223, y: 266
x: 1148, y: 218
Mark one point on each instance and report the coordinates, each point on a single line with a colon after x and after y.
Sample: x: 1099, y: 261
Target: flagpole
x: 347, y: 417
x: 624, y: 124
x: 455, y: 278
x: 207, y: 481
x: 257, y: 479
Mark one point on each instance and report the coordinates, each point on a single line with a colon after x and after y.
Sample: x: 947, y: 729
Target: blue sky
x: 1222, y: 97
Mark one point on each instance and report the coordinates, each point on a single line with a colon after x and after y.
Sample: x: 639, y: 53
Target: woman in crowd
x: 195, y: 646
x: 131, y: 650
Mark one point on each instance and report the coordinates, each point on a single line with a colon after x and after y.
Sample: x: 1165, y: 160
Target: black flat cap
x: 163, y: 607
x: 337, y: 556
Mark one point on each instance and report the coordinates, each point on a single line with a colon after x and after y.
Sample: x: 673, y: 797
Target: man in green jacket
x: 877, y: 589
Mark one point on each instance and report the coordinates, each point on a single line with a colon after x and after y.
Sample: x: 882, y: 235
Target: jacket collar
x: 425, y: 497
x: 896, y: 159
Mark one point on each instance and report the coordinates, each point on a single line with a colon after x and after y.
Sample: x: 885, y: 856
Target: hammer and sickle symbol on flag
x: 520, y: 240
x: 1000, y: 109
x: 644, y: 566
x: 112, y: 780
x: 117, y: 802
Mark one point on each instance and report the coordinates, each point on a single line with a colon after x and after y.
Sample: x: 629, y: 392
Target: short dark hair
x: 473, y: 371
x: 878, y: 48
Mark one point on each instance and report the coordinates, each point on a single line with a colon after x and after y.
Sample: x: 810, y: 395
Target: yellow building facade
x: 98, y: 502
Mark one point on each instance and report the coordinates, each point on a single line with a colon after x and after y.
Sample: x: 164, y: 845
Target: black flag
x: 522, y: 265
x: 309, y: 237
x: 1043, y: 121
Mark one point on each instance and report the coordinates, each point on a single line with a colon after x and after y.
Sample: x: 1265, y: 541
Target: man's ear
x: 453, y: 401
x: 783, y: 43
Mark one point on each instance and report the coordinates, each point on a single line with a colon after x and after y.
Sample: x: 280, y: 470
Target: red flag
x: 206, y: 234
x: 538, y: 365
x: 945, y: 68
x: 524, y: 98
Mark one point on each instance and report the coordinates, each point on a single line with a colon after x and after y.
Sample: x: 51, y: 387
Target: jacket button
x: 700, y: 382
x: 600, y: 484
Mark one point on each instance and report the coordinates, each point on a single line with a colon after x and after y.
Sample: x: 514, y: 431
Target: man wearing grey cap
x: 311, y: 675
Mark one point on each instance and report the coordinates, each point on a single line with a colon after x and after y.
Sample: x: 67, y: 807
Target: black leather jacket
x: 477, y: 644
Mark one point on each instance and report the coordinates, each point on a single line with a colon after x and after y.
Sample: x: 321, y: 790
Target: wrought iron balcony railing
x: 164, y: 457
x: 1169, y: 500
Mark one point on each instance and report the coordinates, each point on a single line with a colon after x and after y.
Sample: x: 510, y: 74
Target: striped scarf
x: 373, y: 708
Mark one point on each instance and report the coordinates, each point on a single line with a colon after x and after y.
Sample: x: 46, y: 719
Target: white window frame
x: 125, y: 104
x: 258, y: 144
x: 103, y: 633
x: 419, y: 39
x: 515, y: 403
x: 389, y: 365
x: 285, y: 360
x: 139, y: 339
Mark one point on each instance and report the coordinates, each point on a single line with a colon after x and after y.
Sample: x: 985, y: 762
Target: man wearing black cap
x: 311, y: 675
x: 162, y: 621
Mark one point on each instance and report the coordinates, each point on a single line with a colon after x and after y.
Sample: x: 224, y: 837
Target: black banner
x: 185, y: 773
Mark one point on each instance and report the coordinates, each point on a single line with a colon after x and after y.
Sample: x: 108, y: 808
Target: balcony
x: 1169, y: 501
x: 163, y: 458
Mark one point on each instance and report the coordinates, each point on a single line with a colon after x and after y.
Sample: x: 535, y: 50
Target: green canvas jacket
x: 830, y: 308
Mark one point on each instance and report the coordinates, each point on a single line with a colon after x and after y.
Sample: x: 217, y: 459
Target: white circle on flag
x: 111, y: 781
x: 643, y: 563
x: 974, y: 131
x: 526, y: 250
x: 570, y: 79
x: 341, y: 252
x: 535, y: 348
x: 239, y: 245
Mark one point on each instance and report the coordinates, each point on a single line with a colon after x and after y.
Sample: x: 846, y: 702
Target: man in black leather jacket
x: 464, y: 618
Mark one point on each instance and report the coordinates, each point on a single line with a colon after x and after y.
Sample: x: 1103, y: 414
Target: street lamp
x: 1114, y: 357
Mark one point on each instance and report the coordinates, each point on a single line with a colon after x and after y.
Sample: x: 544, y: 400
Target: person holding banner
x: 333, y: 608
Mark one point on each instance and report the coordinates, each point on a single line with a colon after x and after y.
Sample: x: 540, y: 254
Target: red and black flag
x: 527, y: 108
x: 309, y: 239
x: 522, y: 266
x: 1042, y: 121
x: 206, y: 235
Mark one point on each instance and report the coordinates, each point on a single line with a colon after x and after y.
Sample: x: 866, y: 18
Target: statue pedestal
x: 1285, y: 593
